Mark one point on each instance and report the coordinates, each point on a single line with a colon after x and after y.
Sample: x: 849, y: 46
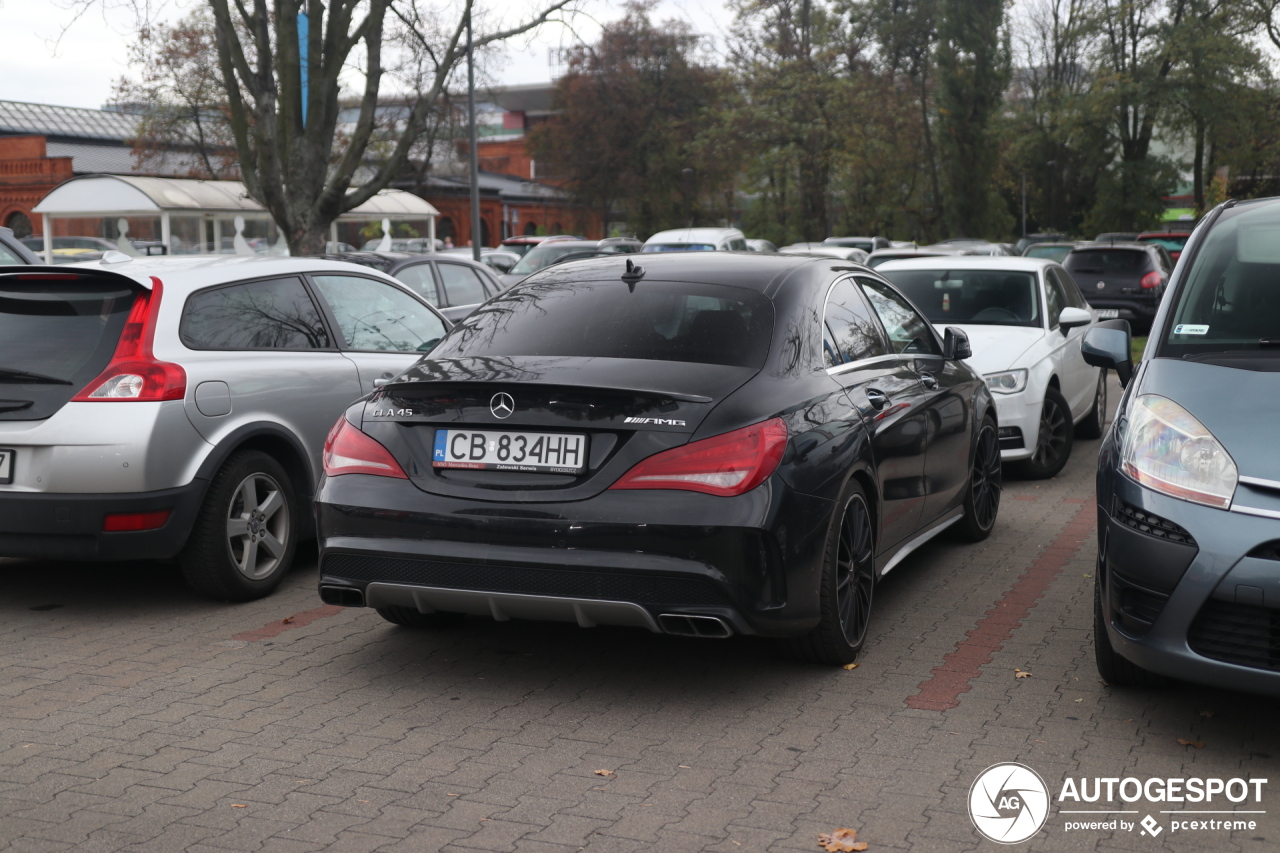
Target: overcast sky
x: 81, y: 69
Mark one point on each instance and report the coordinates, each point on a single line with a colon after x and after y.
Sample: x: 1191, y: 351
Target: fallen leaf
x: 735, y: 842
x: 1088, y: 576
x: 604, y: 772
x: 1017, y: 673
x: 1198, y: 744
x: 841, y: 841
x: 286, y: 620
x: 686, y: 767
x: 1079, y: 700
x: 1206, y: 714
x: 851, y: 666
x: 362, y: 801
x: 452, y: 795
x: 238, y: 806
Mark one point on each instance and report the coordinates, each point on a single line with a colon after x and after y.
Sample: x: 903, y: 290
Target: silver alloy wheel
x: 257, y: 526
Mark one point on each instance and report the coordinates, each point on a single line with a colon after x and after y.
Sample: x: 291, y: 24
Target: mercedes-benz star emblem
x: 502, y: 406
x: 1100, y: 285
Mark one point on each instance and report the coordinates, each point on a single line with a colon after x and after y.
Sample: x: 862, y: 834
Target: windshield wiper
x: 7, y: 374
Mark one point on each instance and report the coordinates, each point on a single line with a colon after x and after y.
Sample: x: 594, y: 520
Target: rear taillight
x: 1150, y: 280
x: 134, y: 374
x: 726, y: 465
x: 347, y: 450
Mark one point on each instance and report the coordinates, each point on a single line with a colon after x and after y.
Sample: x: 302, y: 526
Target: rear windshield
x: 55, y: 336
x: 1230, y: 301
x: 659, y: 321
x: 1173, y: 244
x: 981, y: 297
x: 1053, y: 253
x: 1107, y: 260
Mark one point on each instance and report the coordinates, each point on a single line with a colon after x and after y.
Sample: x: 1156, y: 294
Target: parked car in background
x: 454, y: 284
x: 823, y: 250
x: 1121, y: 280
x: 1116, y: 237
x: 1188, y: 577
x: 712, y: 444
x: 1173, y: 241
x: 521, y: 245
x: 973, y: 246
x: 338, y: 248
x: 1021, y: 246
x: 67, y: 250
x: 415, y: 245
x: 1026, y: 319
x: 761, y: 246
x: 1056, y: 252
x: 880, y: 256
x: 697, y: 240
x: 866, y: 244
x: 177, y: 407
x: 14, y: 251
x: 499, y: 260
x: 553, y: 252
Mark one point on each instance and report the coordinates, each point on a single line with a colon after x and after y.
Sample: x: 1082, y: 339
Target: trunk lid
x: 627, y: 409
x: 58, y: 331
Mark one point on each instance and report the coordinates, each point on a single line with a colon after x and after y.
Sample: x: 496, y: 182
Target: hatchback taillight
x: 1150, y: 280
x: 134, y: 374
x: 725, y: 465
x: 347, y: 450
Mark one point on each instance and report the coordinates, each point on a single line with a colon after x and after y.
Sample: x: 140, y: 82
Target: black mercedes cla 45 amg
x: 706, y: 446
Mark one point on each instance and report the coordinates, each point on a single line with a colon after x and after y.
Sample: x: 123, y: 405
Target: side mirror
x: 1073, y: 318
x: 955, y: 346
x: 1106, y: 345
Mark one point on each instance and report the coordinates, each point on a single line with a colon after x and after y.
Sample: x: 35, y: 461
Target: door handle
x: 928, y: 380
x: 878, y: 399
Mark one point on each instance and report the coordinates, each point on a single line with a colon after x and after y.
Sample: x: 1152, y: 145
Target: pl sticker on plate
x: 1190, y: 329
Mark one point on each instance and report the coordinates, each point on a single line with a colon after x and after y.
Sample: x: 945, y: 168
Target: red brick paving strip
x: 943, y: 688
x: 297, y: 620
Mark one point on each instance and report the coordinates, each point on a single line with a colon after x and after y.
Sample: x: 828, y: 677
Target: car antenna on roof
x: 633, y: 273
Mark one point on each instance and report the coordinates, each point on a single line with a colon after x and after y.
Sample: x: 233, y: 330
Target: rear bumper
x: 69, y: 527
x: 1130, y: 309
x: 623, y: 558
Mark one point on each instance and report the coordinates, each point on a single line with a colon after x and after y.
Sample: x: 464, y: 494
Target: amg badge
x: 654, y: 421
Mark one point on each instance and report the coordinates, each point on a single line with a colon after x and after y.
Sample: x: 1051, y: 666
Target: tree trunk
x: 1197, y: 167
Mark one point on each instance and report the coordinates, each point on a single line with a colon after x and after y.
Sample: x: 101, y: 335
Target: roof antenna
x: 633, y: 273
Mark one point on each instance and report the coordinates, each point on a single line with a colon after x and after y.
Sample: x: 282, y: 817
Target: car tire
x: 411, y: 617
x: 1053, y: 439
x: 847, y: 585
x: 1115, y: 669
x: 985, y: 485
x: 246, y: 532
x: 1095, y: 423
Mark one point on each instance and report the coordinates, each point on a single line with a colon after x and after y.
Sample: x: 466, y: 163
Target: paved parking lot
x: 134, y: 716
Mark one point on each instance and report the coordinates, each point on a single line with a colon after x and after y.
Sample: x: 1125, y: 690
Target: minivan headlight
x: 1167, y: 450
x: 1008, y: 382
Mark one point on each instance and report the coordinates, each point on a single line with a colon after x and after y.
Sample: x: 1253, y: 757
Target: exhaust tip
x: 342, y: 596
x: 684, y: 625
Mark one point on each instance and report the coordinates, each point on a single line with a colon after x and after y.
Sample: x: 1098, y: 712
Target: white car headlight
x: 1009, y: 382
x: 1167, y: 450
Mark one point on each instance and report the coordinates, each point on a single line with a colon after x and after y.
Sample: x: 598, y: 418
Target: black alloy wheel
x: 1053, y: 439
x: 848, y: 581
x: 986, y: 483
x: 1095, y: 423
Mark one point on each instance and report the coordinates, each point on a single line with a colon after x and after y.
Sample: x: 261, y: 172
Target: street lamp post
x: 475, y: 157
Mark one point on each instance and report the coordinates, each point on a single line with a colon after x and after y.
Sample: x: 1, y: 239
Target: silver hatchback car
x: 175, y: 407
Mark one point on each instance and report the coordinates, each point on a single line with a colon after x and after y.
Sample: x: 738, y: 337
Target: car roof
x: 694, y: 235
x: 1107, y: 245
x: 1010, y: 263
x: 190, y: 272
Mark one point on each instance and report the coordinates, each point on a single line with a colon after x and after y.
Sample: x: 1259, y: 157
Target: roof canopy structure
x: 192, y: 204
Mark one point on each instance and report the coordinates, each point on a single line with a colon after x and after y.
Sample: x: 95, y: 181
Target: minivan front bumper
x: 69, y: 526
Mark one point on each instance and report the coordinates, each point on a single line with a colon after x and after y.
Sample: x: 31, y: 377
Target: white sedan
x: 1025, y: 318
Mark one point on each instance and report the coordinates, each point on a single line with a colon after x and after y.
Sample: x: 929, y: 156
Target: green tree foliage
x: 633, y: 108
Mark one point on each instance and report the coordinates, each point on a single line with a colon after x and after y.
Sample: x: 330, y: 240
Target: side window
x: 1068, y: 284
x: 853, y: 332
x: 273, y: 314
x: 10, y: 257
x: 1055, y: 299
x: 738, y: 245
x: 422, y: 279
x: 376, y: 316
x: 908, y: 332
x: 461, y: 284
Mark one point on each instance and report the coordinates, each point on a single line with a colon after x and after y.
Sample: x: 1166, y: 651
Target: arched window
x: 530, y: 228
x: 20, y: 223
